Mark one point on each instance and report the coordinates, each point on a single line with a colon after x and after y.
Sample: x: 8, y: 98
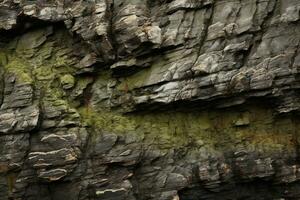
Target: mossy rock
x: 21, y: 69
x: 67, y: 81
x: 253, y: 127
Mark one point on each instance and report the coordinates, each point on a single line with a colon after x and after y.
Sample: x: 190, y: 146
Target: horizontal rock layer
x: 149, y: 100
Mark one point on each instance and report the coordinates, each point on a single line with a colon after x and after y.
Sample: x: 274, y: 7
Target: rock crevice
x: 149, y: 100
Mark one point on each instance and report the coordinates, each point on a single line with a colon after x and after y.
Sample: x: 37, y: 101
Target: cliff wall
x: 149, y: 99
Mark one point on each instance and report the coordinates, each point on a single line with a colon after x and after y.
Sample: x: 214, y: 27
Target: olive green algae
x: 48, y: 65
x: 254, y: 128
x: 43, y: 58
x: 31, y: 58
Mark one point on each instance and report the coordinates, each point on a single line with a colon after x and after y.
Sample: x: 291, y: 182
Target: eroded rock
x: 149, y: 100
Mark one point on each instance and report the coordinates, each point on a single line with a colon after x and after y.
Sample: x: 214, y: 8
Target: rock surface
x: 149, y: 99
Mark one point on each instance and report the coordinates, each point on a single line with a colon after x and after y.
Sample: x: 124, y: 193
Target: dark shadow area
x: 254, y: 190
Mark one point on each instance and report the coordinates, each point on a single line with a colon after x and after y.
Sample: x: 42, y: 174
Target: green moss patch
x: 254, y: 128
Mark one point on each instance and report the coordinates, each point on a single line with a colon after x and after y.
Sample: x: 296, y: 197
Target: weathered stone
x: 149, y: 100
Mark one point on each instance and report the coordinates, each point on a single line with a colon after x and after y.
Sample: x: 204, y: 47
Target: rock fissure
x: 149, y: 100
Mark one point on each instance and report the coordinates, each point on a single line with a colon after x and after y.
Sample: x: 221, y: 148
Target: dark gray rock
x: 149, y: 100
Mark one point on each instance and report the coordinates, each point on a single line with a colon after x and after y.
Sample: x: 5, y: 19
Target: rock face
x: 149, y: 99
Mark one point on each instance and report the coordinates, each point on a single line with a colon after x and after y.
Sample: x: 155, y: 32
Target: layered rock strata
x: 149, y: 100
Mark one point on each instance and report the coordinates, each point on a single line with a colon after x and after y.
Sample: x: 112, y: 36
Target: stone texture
x: 149, y: 100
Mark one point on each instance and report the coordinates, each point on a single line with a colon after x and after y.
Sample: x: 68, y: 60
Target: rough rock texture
x: 149, y: 99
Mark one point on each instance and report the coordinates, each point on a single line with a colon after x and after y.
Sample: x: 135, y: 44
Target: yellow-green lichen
x: 50, y: 67
x: 37, y: 58
x: 67, y: 81
x: 256, y: 128
x: 107, y: 121
x: 20, y: 69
